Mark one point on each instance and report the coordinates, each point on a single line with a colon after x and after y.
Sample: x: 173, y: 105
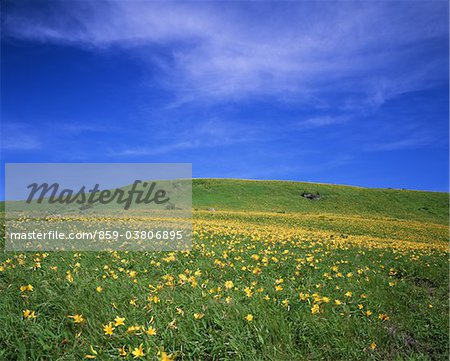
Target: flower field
x: 255, y: 286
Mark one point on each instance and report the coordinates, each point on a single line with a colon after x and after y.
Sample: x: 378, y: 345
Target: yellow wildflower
x: 303, y: 296
x: 122, y: 351
x: 119, y: 321
x: 26, y: 288
x: 138, y: 352
x: 133, y: 329
x: 109, y: 329
x: 28, y: 314
x: 199, y: 315
x: 163, y: 356
x: 77, y: 318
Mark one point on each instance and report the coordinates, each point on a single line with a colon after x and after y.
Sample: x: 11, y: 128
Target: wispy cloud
x: 286, y: 88
x: 22, y: 142
x: 322, y: 121
x: 201, y: 134
x: 414, y: 141
x: 231, y: 52
x: 18, y: 137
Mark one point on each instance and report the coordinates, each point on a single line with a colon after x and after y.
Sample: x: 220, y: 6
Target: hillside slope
x: 285, y: 196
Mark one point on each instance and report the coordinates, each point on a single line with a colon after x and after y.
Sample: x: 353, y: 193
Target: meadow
x: 359, y: 274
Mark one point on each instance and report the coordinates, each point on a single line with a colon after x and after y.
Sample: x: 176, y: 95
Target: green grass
x: 284, y: 196
x: 387, y: 247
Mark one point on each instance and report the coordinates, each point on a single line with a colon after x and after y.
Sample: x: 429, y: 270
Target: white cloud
x: 411, y: 142
x: 20, y: 142
x: 229, y: 51
x: 321, y: 121
x: 201, y: 134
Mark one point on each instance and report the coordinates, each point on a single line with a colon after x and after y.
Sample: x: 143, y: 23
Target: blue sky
x: 335, y: 92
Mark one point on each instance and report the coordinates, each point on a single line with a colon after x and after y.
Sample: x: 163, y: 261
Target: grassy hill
x: 287, y: 197
x: 359, y: 274
x: 416, y: 216
x: 284, y: 196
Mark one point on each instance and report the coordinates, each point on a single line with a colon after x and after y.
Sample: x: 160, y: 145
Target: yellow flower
x: 383, y: 317
x: 133, y: 329
x: 99, y: 289
x: 151, y: 331
x: 122, y: 351
x: 180, y: 311
x: 26, y: 288
x: 77, y: 318
x: 248, y: 292
x: 29, y: 314
x: 138, y: 351
x: 285, y: 302
x: 373, y: 345
x: 249, y: 317
x: 163, y: 356
x: 199, y: 315
x: 360, y: 306
x: 109, y: 329
x: 119, y: 321
x: 303, y: 296
x: 69, y: 276
x: 368, y: 313
x: 315, y: 309
x: 348, y: 294
x: 154, y: 299
x: 229, y: 284
x: 278, y: 288
x: 337, y: 302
